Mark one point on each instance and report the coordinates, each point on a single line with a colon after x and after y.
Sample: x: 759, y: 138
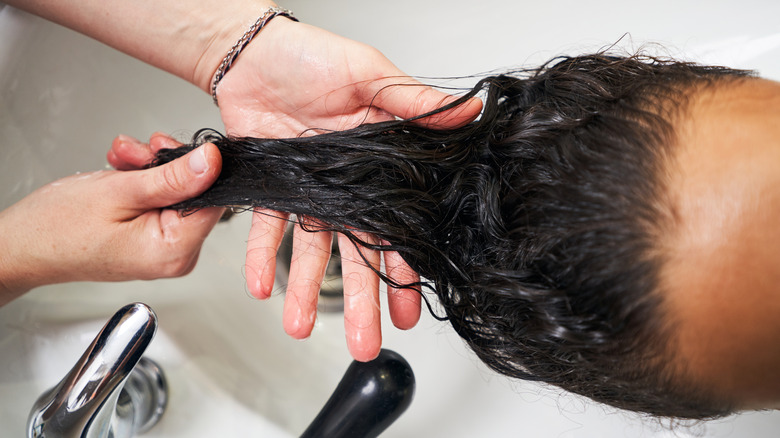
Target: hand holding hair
x: 293, y: 78
x: 290, y: 78
x: 108, y: 226
x: 361, y: 284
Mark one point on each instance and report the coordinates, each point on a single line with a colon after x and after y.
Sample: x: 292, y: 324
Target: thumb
x: 179, y: 180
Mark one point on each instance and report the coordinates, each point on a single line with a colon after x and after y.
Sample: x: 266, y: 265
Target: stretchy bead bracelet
x: 234, y: 51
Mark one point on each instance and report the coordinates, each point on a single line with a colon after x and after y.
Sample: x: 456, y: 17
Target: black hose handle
x: 368, y: 399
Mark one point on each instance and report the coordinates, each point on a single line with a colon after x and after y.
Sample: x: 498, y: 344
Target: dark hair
x: 536, y: 225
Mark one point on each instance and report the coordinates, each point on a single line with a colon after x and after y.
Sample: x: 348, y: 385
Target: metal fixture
x: 111, y: 391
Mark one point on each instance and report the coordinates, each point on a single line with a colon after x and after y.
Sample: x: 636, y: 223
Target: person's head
x: 605, y: 226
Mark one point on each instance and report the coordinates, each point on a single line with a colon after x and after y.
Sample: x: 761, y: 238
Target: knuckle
x: 172, y: 265
x: 168, y: 181
x: 178, y: 267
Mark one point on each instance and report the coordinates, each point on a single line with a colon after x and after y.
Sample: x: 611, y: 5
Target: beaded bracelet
x: 234, y: 51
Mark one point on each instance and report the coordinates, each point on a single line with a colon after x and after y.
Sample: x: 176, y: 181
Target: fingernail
x: 197, y: 160
x: 267, y: 276
x: 259, y: 291
x: 164, y: 140
x: 258, y: 288
x: 126, y: 139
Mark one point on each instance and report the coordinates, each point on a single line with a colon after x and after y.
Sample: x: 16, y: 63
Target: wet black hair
x: 536, y: 225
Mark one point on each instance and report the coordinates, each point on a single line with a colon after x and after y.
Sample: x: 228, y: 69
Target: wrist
x: 223, y: 36
x: 14, y: 278
x: 238, y: 48
x: 30, y: 257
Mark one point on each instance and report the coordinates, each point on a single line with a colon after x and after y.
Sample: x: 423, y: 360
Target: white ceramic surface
x: 232, y: 370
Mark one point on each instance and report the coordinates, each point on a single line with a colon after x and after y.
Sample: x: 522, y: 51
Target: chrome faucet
x: 111, y: 391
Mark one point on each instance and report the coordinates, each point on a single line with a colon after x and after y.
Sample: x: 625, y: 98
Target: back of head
x: 564, y: 287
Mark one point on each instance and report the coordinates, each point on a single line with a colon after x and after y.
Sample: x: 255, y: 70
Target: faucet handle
x: 85, y: 402
x: 370, y: 397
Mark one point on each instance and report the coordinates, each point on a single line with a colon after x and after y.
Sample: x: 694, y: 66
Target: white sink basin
x: 231, y: 368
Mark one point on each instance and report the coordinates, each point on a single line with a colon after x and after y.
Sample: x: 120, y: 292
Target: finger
x: 405, y: 97
x: 173, y: 182
x: 361, y: 298
x: 160, y: 140
x: 403, y: 303
x: 265, y: 235
x: 127, y: 153
x: 310, y: 255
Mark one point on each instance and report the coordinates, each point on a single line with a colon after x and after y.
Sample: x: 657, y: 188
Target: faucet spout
x: 89, y: 402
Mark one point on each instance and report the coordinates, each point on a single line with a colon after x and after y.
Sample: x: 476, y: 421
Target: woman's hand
x: 108, y: 226
x: 292, y: 78
x: 295, y: 79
